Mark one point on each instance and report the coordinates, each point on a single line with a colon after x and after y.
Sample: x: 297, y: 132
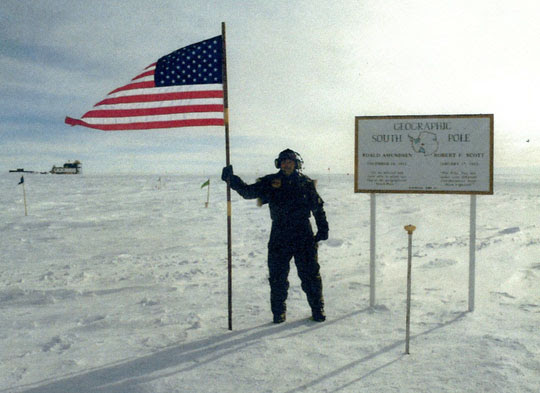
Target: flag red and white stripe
x: 152, y: 100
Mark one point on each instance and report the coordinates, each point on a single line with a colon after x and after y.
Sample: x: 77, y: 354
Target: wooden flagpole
x: 227, y: 162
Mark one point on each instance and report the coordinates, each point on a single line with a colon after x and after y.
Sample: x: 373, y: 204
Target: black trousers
x: 298, y: 243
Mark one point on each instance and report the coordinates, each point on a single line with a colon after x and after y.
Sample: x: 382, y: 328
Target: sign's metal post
x: 472, y: 252
x: 372, y: 250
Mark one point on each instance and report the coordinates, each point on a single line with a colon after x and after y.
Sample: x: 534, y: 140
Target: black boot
x: 279, y: 318
x: 318, y: 315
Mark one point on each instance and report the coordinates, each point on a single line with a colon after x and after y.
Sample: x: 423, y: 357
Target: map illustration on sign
x: 426, y: 142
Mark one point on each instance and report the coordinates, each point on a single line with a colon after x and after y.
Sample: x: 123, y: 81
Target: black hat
x: 289, y: 154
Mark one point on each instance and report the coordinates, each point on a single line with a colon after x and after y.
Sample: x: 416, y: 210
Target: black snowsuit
x: 291, y: 199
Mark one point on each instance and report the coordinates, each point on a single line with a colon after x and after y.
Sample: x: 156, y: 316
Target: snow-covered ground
x: 118, y: 283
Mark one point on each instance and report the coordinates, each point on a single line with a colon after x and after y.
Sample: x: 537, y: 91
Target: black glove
x: 321, y: 236
x: 227, y: 173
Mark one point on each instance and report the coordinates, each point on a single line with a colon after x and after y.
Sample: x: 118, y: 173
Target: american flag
x: 181, y: 89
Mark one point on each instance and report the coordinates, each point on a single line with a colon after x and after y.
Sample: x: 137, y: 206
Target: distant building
x: 69, y: 168
x: 21, y: 170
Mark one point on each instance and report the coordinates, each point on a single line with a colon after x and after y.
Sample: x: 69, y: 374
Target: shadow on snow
x: 128, y: 376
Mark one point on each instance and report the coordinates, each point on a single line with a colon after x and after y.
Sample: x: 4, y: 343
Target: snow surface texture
x: 119, y: 284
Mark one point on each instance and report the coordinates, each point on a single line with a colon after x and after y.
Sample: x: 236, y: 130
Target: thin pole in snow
x: 24, y: 197
x: 410, y: 229
x: 207, y: 195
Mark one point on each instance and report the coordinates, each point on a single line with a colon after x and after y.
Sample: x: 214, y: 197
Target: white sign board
x: 450, y: 154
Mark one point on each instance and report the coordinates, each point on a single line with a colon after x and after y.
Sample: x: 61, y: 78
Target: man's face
x: 287, y: 166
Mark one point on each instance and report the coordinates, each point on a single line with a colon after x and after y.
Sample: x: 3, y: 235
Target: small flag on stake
x: 24, y: 195
x: 206, y: 184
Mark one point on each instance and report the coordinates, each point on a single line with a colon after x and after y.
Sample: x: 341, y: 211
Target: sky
x: 298, y: 74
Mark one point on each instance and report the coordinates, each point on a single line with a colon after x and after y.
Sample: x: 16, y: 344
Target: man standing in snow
x: 291, y: 197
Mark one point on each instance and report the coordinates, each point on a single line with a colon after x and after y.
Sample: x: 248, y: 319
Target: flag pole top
x: 410, y: 229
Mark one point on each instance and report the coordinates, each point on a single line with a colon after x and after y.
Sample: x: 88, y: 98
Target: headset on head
x: 291, y: 155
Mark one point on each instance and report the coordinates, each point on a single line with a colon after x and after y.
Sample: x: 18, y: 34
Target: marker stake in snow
x: 207, y: 185
x: 410, y: 229
x: 24, y: 195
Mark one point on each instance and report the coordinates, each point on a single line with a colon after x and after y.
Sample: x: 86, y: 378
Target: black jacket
x: 291, y: 199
